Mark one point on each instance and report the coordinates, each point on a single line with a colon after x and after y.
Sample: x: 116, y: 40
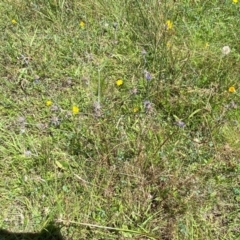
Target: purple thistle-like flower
x: 148, y: 106
x: 147, y: 75
x: 146, y: 103
x: 180, y: 123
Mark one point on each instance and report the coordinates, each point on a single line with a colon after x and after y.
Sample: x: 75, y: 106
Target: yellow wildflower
x: 135, y: 109
x: 206, y: 45
x: 169, y: 24
x: 232, y: 89
x: 14, y: 21
x: 75, y: 110
x: 235, y: 1
x: 48, y: 103
x: 82, y: 24
x: 168, y: 44
x: 119, y: 82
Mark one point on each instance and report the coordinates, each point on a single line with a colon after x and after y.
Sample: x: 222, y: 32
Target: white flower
x: 226, y: 50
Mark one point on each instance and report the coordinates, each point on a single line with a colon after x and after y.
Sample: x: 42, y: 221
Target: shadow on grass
x: 51, y: 232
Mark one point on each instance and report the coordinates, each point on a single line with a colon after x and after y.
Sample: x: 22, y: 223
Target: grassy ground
x: 119, y: 119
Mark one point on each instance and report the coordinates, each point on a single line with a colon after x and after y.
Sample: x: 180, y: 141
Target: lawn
x: 120, y: 119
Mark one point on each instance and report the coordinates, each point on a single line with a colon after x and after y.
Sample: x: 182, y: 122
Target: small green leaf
x: 59, y: 165
x: 195, y: 112
x: 236, y: 191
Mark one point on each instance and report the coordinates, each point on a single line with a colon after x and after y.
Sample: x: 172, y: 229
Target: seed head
x: 226, y: 50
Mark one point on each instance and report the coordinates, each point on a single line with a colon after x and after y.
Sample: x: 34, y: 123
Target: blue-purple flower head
x: 148, y: 106
x: 147, y: 75
x: 180, y: 123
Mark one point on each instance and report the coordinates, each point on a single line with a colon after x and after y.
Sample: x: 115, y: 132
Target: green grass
x: 149, y: 159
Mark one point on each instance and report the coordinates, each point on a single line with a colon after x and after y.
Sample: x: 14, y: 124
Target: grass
x: 154, y: 156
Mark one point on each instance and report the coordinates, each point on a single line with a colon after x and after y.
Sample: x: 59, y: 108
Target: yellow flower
x: 48, y: 103
x: 232, y: 89
x: 168, y: 44
x: 206, y: 45
x: 14, y: 21
x: 135, y: 109
x: 235, y: 1
x: 82, y: 24
x: 75, y: 110
x: 119, y: 82
x: 169, y: 24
